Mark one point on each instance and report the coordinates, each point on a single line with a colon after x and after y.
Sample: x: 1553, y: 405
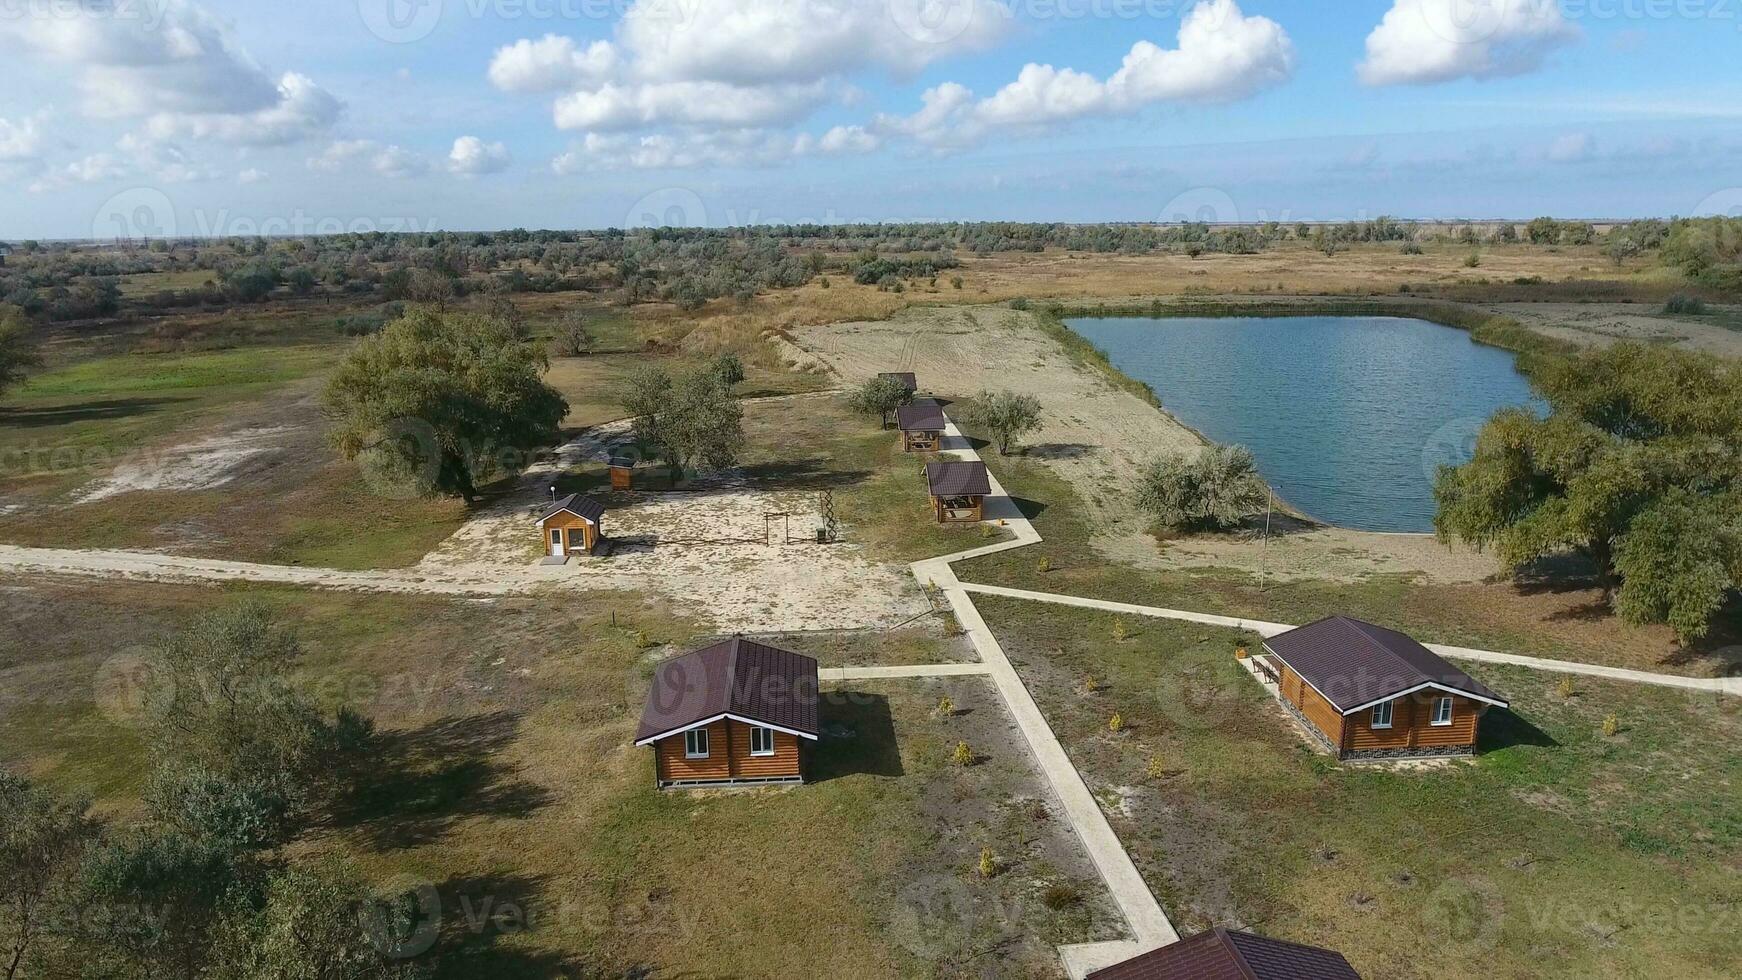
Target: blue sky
x: 226, y: 117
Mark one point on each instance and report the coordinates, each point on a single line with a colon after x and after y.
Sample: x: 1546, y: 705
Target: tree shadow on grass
x: 120, y: 408
x: 1503, y: 728
x: 429, y: 779
x: 858, y: 738
x: 1057, y: 450
x: 1030, y: 509
x: 812, y: 473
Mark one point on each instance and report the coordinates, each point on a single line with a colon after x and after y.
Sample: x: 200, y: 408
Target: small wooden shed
x: 1366, y: 692
x: 622, y: 472
x: 958, y: 490
x: 922, y: 425
x: 732, y: 714
x: 573, y: 525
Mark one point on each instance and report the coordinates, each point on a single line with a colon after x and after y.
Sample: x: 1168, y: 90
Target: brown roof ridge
x: 733, y: 652
x: 1225, y: 937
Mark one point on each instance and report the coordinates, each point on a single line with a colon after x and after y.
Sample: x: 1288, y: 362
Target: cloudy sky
x: 235, y: 116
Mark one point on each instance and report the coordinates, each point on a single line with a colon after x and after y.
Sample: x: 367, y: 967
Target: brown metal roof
x: 586, y: 508
x: 1355, y: 664
x: 924, y: 415
x: 958, y: 478
x: 1224, y: 955
x: 739, y: 677
x: 905, y: 379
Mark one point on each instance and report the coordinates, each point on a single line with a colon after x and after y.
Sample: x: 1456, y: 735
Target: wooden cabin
x: 1366, y: 692
x: 572, y: 526
x: 736, y: 713
x: 958, y: 490
x: 1225, y: 954
x: 922, y: 425
x: 622, y: 472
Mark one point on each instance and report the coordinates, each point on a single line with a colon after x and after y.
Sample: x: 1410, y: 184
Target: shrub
x: 1157, y: 767
x: 1005, y: 415
x: 1116, y: 724
x: 956, y: 282
x: 1121, y: 632
x: 1473, y: 260
x: 1411, y: 248
x: 1564, y: 689
x: 1043, y: 566
x: 988, y: 863
x: 1215, y: 490
x: 1681, y: 305
x: 1019, y: 303
x: 946, y: 707
x: 1611, y: 726
x: 963, y: 755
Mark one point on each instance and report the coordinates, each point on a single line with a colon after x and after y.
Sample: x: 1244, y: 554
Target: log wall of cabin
x: 578, y: 535
x: 728, y: 756
x: 1412, y: 725
x: 1313, y: 705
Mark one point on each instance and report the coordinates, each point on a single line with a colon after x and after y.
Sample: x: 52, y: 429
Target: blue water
x: 1348, y: 416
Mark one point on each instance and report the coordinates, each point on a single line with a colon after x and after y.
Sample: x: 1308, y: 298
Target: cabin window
x: 695, y: 743
x: 761, y: 741
x: 1382, y: 715
x: 1443, y: 711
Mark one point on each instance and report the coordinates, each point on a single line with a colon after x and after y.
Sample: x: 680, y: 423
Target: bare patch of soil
x: 1604, y: 324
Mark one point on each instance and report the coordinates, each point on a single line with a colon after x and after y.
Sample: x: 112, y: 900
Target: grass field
x: 1559, y: 852
x: 1558, y: 618
x: 505, y: 780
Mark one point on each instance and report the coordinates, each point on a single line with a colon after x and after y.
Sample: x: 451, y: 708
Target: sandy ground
x: 1602, y: 324
x: 709, y: 545
x: 1097, y: 437
x: 201, y: 465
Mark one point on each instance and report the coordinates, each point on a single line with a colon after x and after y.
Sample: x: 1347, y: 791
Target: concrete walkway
x: 880, y: 673
x: 1148, y: 923
x: 1720, y: 685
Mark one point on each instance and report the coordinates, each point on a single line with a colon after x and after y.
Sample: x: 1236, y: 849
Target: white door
x: 556, y: 542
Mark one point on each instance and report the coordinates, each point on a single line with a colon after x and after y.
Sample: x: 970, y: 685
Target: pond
x: 1348, y: 416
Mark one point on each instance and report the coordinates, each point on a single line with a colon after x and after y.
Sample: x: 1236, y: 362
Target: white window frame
x: 1446, y: 702
x: 1386, y: 707
x: 758, y: 732
x: 693, y: 738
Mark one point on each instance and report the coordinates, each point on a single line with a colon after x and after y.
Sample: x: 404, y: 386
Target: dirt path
x: 1603, y: 324
x: 1097, y: 437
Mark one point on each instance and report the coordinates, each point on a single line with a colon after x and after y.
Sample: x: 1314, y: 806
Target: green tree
x: 1214, y: 489
x: 574, y: 336
x: 728, y: 369
x: 18, y: 352
x: 879, y: 396
x: 443, y: 401
x: 1638, y: 465
x: 689, y: 420
x: 1005, y: 415
x: 1543, y: 231
x: 239, y: 753
x: 155, y: 895
x: 42, y: 839
x: 309, y: 924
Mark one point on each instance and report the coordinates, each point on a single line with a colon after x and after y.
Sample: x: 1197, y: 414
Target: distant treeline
x: 690, y: 266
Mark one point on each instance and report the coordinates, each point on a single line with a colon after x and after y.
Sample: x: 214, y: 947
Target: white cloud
x: 93, y: 169
x: 180, y: 68
x: 1571, y: 148
x: 551, y: 64
x: 21, y: 140
x: 252, y: 175
x: 167, y: 162
x: 473, y: 157
x: 1223, y: 55
x: 664, y: 151
x: 1422, y: 42
x: 719, y: 104
x: 758, y: 42
x: 342, y: 156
